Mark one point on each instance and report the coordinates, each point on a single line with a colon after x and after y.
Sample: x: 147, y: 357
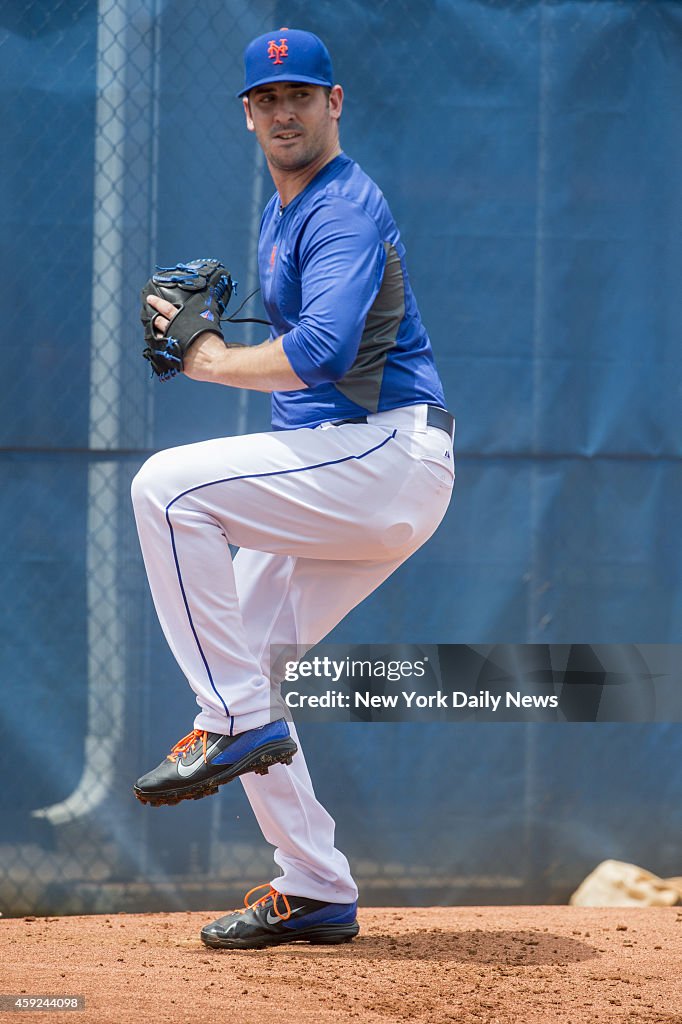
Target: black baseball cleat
x: 202, y: 761
x: 275, y: 918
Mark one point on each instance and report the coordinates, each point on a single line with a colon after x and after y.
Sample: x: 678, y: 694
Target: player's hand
x: 167, y: 311
x: 202, y: 358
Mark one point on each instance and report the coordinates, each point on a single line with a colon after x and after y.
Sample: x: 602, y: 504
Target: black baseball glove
x: 200, y: 290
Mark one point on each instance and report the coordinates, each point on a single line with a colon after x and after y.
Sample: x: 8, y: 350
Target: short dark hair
x: 326, y: 88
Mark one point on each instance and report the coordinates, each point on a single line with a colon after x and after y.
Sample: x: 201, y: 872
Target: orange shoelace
x: 187, y: 744
x: 271, y: 893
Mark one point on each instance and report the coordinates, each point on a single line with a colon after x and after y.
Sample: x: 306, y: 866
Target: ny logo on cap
x: 275, y: 52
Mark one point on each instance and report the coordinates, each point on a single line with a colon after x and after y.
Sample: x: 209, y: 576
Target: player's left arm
x: 262, y: 367
x: 342, y: 261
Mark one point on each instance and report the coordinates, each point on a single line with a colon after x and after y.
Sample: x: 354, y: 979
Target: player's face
x: 295, y: 123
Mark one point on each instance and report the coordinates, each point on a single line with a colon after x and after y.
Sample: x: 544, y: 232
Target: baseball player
x: 355, y: 475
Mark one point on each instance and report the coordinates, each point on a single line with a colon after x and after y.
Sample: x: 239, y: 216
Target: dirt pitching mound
x: 517, y: 965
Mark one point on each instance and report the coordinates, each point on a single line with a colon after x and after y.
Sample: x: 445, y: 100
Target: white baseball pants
x: 321, y: 517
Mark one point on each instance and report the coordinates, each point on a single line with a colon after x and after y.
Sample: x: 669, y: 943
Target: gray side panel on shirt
x: 362, y: 383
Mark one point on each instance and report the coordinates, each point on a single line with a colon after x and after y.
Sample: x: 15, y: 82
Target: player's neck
x: 289, y: 184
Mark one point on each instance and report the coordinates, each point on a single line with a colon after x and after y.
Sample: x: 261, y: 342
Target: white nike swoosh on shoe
x: 185, y: 770
x: 273, y: 918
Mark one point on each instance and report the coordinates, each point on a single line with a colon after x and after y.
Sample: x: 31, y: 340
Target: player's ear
x: 336, y: 102
x: 247, y: 113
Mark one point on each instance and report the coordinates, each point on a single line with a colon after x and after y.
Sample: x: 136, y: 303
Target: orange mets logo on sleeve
x: 275, y: 52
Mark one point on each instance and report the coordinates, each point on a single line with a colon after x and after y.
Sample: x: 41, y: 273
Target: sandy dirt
x: 470, y: 965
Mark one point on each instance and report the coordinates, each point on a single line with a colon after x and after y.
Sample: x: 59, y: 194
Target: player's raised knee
x: 149, y: 480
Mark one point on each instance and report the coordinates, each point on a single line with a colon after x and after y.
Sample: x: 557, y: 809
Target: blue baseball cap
x: 286, y: 55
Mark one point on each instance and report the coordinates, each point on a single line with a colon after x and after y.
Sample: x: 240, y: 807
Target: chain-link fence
x: 530, y: 153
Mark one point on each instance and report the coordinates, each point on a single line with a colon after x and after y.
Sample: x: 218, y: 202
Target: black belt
x: 435, y: 417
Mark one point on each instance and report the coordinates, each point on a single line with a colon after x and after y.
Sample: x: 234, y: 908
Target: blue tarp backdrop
x: 531, y: 154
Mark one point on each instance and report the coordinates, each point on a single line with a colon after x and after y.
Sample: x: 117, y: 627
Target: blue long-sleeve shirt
x: 334, y: 284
